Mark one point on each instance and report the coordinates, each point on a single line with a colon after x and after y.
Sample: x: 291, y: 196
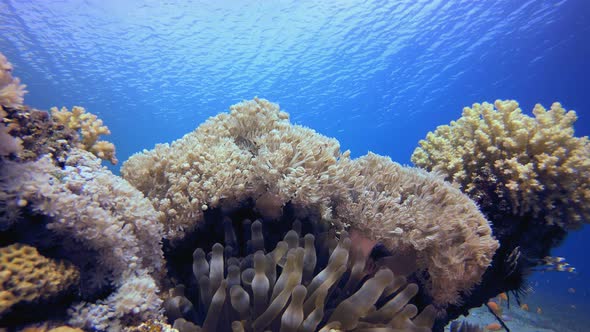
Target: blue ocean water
x: 376, y: 75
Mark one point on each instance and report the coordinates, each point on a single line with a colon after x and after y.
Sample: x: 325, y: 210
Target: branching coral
x: 253, y: 154
x: 27, y: 276
x: 90, y: 128
x: 93, y: 208
x: 16, y: 126
x: 515, y: 163
x: 530, y: 175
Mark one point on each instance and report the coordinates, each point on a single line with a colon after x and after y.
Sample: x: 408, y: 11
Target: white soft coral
x: 11, y: 91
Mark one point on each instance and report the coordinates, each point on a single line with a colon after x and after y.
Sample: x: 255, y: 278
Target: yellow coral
x: 90, y: 127
x: 255, y: 153
x: 45, y: 328
x: 28, y: 277
x: 515, y: 163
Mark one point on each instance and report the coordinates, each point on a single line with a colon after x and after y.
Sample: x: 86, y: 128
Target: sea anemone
x: 254, y: 158
x: 307, y: 280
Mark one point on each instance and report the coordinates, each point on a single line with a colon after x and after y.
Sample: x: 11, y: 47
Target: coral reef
x: 11, y: 91
x: 20, y: 125
x: 11, y: 95
x: 8, y: 144
x: 513, y: 163
x: 56, y: 197
x: 530, y: 175
x: 90, y: 128
x: 417, y: 214
x: 30, y: 134
x: 38, y: 134
x: 254, y: 154
x: 417, y: 239
x: 26, y: 276
x: 92, y: 208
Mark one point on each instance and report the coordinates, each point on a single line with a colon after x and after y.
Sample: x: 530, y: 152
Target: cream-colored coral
x: 515, y: 163
x: 11, y: 95
x: 8, y: 143
x: 415, y: 212
x: 152, y: 325
x: 90, y: 128
x: 103, y: 213
x: 27, y: 276
x: 11, y: 91
x: 254, y: 152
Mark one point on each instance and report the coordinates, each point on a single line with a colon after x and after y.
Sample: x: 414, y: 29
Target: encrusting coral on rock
x: 254, y: 154
x: 38, y: 135
x: 28, y: 277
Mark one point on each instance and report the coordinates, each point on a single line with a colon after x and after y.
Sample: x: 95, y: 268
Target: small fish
x: 539, y: 310
x: 571, y: 290
x: 494, y: 307
x: 524, y: 307
x: 549, y: 263
x: 503, y: 297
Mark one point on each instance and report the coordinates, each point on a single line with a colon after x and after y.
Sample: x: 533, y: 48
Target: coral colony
x: 251, y: 223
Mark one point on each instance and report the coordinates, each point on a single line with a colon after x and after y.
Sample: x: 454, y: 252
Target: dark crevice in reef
x: 179, y: 255
x: 524, y: 242
x: 24, y: 313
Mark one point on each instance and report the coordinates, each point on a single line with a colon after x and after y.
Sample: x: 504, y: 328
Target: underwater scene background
x: 375, y: 75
